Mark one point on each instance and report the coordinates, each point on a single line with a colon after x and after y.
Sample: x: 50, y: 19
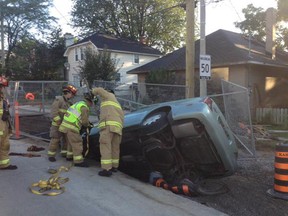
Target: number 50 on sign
x: 205, y: 67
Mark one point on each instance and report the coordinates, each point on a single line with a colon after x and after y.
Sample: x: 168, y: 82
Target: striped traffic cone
x: 280, y: 189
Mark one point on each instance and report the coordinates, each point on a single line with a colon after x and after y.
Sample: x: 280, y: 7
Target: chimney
x: 270, y: 46
x: 69, y: 39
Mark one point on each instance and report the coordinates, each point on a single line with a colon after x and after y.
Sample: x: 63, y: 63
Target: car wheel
x: 154, y: 123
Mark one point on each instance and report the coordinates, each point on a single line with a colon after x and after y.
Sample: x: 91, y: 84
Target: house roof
x: 102, y: 41
x: 225, y: 48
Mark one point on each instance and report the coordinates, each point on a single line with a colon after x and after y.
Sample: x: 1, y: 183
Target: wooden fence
x: 272, y: 115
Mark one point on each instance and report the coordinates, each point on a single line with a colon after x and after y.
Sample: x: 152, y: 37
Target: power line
x: 235, y: 10
x: 61, y: 14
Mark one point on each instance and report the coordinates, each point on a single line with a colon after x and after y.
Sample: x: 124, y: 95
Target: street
x: 86, y: 192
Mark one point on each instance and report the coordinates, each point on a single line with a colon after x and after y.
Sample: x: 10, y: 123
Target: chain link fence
x: 233, y: 101
x: 144, y: 93
x: 236, y: 101
x: 44, y: 93
x: 34, y: 115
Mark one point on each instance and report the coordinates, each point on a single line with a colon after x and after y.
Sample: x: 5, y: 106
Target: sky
x: 219, y: 15
x: 222, y: 15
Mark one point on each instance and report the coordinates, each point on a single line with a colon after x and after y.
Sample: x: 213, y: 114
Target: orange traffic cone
x: 280, y: 189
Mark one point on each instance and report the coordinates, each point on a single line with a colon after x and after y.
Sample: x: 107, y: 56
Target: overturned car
x: 184, y: 139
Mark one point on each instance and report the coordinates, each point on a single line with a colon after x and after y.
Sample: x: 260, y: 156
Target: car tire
x: 153, y: 123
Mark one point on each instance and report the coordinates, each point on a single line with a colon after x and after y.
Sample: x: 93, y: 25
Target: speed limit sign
x: 205, y: 67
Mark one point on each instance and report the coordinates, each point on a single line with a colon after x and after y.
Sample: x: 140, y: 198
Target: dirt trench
x: 35, y: 125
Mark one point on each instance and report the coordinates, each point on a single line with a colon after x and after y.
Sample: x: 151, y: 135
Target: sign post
x: 205, y: 67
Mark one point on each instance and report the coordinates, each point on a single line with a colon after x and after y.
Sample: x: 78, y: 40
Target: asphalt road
x: 86, y: 193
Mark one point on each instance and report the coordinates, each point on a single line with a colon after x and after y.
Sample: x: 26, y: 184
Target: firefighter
x: 110, y: 125
x: 5, y: 128
x: 76, y: 116
x: 58, y: 109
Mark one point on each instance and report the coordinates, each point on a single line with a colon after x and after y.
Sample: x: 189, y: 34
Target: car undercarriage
x: 178, y: 150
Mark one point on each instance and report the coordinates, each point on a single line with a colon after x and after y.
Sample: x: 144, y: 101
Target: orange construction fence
x: 16, y: 122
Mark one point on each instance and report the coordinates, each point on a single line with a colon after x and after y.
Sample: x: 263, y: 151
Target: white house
x: 128, y: 54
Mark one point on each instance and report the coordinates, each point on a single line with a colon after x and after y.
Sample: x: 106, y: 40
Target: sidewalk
x: 86, y: 193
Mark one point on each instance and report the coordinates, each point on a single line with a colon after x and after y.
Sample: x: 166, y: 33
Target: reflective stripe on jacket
x: 111, y: 113
x: 4, y: 162
x: 72, y: 118
x: 110, y: 123
x: 3, y: 124
x: 58, y: 109
x: 114, y: 119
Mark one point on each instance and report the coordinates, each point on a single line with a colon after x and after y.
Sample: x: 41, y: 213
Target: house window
x: 136, y: 59
x: 76, y: 80
x: 117, y: 77
x: 82, y: 51
x: 76, y: 54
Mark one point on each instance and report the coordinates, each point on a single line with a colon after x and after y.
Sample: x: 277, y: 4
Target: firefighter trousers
x: 74, y: 146
x: 4, y: 149
x: 57, y: 138
x: 109, y: 148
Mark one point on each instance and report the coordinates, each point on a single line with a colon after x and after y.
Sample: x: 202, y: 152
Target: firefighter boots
x: 106, y: 173
x: 113, y: 169
x: 10, y: 167
x: 51, y: 159
x: 83, y: 164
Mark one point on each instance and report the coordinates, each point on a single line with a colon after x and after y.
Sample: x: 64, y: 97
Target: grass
x: 277, y: 127
x: 280, y: 128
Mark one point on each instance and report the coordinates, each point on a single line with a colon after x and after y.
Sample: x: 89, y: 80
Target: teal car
x: 183, y: 139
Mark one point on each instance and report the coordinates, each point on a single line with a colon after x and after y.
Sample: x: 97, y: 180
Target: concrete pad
x: 86, y: 193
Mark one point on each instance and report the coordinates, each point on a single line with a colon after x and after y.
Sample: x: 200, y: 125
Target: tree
x: 39, y: 60
x: 255, y: 23
x: 282, y: 10
x: 160, y: 22
x: 98, y: 66
x: 21, y: 16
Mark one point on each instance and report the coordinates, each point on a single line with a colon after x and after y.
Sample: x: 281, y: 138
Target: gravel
x: 247, y: 195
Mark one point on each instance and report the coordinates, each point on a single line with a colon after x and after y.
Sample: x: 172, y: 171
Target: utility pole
x: 190, y: 48
x: 203, y: 82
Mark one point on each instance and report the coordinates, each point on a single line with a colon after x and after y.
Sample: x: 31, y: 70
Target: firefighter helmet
x: 3, y: 81
x: 70, y: 88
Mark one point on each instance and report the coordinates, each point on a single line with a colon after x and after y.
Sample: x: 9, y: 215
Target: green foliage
x: 267, y: 118
x: 21, y: 16
x: 160, y: 77
x: 156, y: 93
x: 98, y: 66
x: 255, y: 23
x: 134, y: 19
x: 37, y: 60
x: 283, y: 126
x: 282, y: 9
